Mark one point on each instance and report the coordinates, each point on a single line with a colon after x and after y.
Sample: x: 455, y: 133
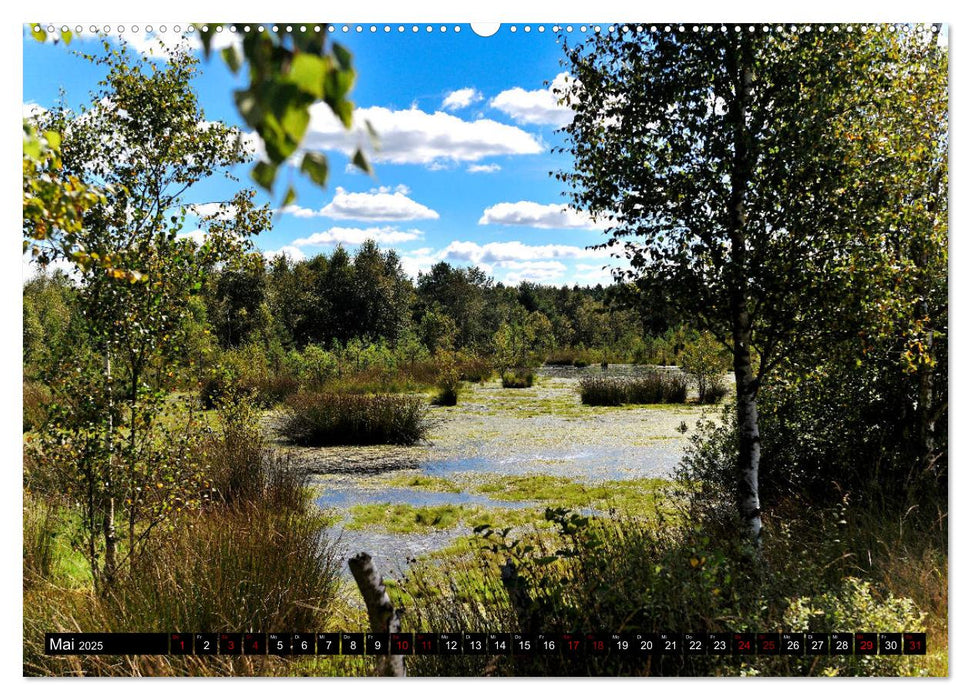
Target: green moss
x: 406, y: 519
x: 419, y: 482
x: 633, y: 496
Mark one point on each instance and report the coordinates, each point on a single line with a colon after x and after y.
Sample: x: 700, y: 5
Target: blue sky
x: 466, y: 126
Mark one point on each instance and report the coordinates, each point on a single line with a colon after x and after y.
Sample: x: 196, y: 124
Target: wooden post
x: 384, y: 618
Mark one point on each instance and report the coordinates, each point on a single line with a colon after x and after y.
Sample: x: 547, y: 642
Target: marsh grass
x: 402, y: 518
x: 518, y: 379
x: 656, y: 573
x: 354, y: 419
x: 40, y: 536
x: 251, y: 557
x: 652, y: 388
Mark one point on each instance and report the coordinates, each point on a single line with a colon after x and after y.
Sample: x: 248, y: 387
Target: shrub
x: 603, y: 391
x: 448, y: 389
x: 240, y: 469
x: 568, y: 356
x: 354, y: 419
x: 713, y: 393
x: 705, y: 360
x: 518, y: 379
x: 212, y: 389
x: 627, y: 574
x: 37, y: 398
x: 269, y: 390
x: 474, y: 368
x: 656, y: 387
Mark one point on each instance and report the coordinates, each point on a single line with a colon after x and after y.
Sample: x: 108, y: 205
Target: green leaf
x: 315, y: 167
x: 264, y: 174
x: 342, y: 55
x: 372, y: 133
x: 32, y: 148
x: 344, y: 111
x: 38, y: 33
x: 290, y: 197
x: 66, y: 37
x: 294, y: 122
x: 53, y: 139
x: 232, y: 59
x: 308, y: 73
x: 361, y: 162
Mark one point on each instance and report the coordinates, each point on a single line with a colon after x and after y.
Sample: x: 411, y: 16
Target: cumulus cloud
x: 537, y: 215
x: 515, y: 251
x: 31, y: 110
x: 488, y: 168
x: 461, y: 98
x: 197, y: 236
x: 412, y: 136
x: 533, y: 271
x: 378, y: 204
x: 299, y: 212
x: 418, y: 260
x: 536, y: 106
x: 223, y: 211
x: 290, y: 252
x: 513, y: 262
x: 385, y: 235
x: 595, y: 274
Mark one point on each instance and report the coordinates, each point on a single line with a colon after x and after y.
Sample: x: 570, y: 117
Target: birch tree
x: 144, y: 142
x: 719, y: 158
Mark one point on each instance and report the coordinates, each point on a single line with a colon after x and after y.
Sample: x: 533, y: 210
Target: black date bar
x: 92, y: 643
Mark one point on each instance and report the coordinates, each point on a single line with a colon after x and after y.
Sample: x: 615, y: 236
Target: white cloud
x: 512, y: 262
x: 385, y: 235
x: 299, y: 212
x: 536, y: 106
x: 32, y: 109
x: 488, y: 168
x: 419, y: 260
x: 197, y: 236
x: 538, y: 271
x: 537, y: 215
x: 380, y: 205
x: 30, y: 268
x: 461, y: 98
x: 417, y: 137
x: 290, y: 252
x: 224, y: 211
x: 515, y: 251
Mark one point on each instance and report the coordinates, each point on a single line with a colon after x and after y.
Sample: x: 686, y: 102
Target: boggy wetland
x: 500, y: 456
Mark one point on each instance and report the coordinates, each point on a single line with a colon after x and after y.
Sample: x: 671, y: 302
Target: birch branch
x: 381, y: 613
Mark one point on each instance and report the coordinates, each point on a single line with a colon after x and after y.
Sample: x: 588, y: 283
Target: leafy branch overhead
x: 288, y: 72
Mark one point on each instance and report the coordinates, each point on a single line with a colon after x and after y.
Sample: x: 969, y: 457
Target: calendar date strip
x: 492, y: 643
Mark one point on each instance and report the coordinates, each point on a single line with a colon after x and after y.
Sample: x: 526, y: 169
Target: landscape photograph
x: 521, y: 350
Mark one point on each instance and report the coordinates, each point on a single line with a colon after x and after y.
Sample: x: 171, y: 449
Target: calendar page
x: 546, y: 349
